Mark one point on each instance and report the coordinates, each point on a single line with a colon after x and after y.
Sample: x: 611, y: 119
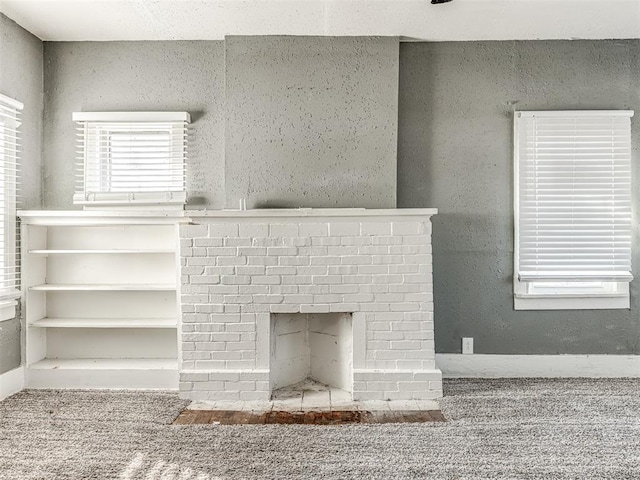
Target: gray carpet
x: 548, y: 429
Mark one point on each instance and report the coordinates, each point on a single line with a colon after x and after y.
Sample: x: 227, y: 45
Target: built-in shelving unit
x: 100, y: 298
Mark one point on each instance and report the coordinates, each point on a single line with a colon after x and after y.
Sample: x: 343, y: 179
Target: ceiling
x: 104, y: 20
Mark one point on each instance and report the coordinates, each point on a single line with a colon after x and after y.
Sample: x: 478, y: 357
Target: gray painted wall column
x: 455, y: 153
x: 21, y: 77
x: 311, y: 121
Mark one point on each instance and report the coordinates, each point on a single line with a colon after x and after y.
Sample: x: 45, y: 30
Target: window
x: 9, y: 168
x: 572, y: 210
x: 131, y: 158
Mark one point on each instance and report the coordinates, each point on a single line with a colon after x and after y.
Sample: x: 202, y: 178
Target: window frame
x: 530, y: 295
x: 9, y: 171
x: 92, y: 192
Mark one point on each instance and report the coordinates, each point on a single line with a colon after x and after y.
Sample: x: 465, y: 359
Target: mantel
x: 315, y: 213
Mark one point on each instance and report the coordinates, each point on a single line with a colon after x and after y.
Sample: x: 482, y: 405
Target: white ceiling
x: 78, y: 20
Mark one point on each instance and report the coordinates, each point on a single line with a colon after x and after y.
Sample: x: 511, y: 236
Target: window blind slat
x: 121, y: 158
x: 574, y: 197
x: 10, y: 149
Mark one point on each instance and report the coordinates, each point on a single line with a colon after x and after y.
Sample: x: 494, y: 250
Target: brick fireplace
x: 343, y: 296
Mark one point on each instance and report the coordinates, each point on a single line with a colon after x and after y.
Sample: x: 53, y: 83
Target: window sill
x: 571, y: 302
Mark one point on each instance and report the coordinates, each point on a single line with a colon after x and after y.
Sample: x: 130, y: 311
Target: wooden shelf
x: 105, y: 323
x: 97, y: 252
x: 101, y: 287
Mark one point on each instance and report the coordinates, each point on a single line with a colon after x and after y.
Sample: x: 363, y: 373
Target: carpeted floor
x: 547, y: 429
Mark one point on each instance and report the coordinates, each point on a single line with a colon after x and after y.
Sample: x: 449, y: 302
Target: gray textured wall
x: 311, y: 121
x: 455, y: 153
x: 21, y: 78
x: 145, y: 76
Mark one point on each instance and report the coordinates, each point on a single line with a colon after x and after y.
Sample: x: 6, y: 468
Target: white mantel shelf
x: 312, y: 212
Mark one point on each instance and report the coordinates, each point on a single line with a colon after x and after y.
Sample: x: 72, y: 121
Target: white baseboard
x: 11, y: 382
x: 514, y: 366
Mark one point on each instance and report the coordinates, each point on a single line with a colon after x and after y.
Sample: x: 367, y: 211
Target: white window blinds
x: 573, y: 196
x: 131, y: 157
x: 9, y: 194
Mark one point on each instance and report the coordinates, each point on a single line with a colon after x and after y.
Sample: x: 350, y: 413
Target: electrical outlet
x: 467, y: 345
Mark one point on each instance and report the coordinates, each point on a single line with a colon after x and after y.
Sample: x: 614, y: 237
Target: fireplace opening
x: 316, y: 347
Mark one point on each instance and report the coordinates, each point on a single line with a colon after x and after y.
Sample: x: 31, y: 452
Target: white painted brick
x: 359, y: 241
x: 253, y: 230
x: 221, y: 251
x: 285, y: 308
x: 356, y: 259
x: 238, y: 242
x: 370, y: 288
x: 375, y: 228
x: 315, y: 308
x: 254, y: 289
x: 281, y: 270
x: 268, y: 299
x: 387, y: 259
x: 421, y: 260
x: 294, y: 261
x: 407, y: 228
x: 373, y: 269
x: 416, y: 240
x: 357, y: 279
x: 252, y: 251
x: 325, y: 260
x: 404, y: 307
x: 344, y: 289
x: 192, y: 231
x: 330, y: 298
x: 223, y: 289
x: 297, y: 299
x: 297, y: 279
x: 344, y: 307
x: 283, y: 289
x: 208, y: 279
x: 344, y: 229
x: 388, y: 279
x: 382, y: 240
x: 266, y: 280
x: 261, y: 260
x: 313, y: 289
x: 417, y: 278
x: 302, y: 242
x: 251, y: 396
x: 223, y: 230
x: 403, y: 268
x: 227, y: 261
x: 327, y: 241
x: 207, y: 242
x: 374, y: 249
x: 342, y: 250
x: 199, y: 252
x: 313, y: 229
x: 327, y: 279
x: 194, y: 270
x: 406, y: 250
x: 282, y: 251
x: 312, y: 270
x: 358, y: 298
x: 342, y: 269
x: 235, y: 279
x: 388, y: 335
x: 283, y: 230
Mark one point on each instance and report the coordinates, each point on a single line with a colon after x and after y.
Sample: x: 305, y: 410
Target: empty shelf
x: 102, y: 287
x: 105, y: 323
x: 105, y: 251
x: 105, y: 364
